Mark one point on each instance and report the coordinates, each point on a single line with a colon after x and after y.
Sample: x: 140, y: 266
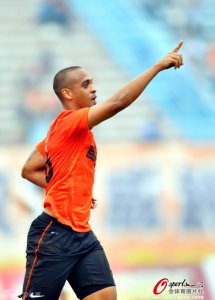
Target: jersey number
x: 49, y: 170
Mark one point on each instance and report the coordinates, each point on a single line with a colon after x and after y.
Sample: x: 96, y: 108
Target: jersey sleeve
x: 41, y: 148
x: 76, y: 121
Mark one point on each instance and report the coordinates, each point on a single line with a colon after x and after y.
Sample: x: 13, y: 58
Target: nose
x: 93, y: 89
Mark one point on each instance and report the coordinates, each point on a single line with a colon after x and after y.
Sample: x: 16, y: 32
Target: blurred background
x: 155, y: 180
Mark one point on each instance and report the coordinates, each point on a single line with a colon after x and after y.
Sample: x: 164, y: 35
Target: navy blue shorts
x: 56, y: 253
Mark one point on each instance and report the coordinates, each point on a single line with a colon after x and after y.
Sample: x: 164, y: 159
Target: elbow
x: 24, y: 172
x: 117, y: 106
x: 120, y: 102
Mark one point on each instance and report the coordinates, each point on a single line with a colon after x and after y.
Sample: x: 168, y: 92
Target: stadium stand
x: 134, y: 198
x: 31, y: 53
x: 136, y: 37
x: 115, y: 42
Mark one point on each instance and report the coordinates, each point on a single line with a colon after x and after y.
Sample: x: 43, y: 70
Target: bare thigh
x: 108, y: 293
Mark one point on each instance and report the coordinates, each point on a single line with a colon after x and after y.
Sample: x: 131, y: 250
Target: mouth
x: 94, y: 98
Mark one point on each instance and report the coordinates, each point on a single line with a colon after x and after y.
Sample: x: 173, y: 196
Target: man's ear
x: 66, y: 93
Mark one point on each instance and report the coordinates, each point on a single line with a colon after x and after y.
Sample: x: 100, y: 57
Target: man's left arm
x: 34, y: 169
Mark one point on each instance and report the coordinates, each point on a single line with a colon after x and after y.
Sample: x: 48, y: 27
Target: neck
x: 70, y: 106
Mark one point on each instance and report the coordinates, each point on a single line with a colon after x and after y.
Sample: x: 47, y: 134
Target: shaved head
x: 75, y: 88
x: 62, y: 80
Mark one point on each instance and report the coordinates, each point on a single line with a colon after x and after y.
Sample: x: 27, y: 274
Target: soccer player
x: 61, y: 245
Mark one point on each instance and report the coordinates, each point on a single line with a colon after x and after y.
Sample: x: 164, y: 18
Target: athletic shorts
x: 56, y: 253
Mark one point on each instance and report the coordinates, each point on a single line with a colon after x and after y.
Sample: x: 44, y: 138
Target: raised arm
x: 129, y: 93
x: 34, y: 169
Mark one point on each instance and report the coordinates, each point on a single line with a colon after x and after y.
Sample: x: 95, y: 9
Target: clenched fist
x: 94, y: 203
x: 172, y: 59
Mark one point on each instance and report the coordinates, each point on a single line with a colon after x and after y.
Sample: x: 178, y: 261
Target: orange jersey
x: 70, y: 152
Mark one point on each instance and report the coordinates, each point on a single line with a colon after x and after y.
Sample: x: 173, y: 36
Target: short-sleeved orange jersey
x: 70, y: 152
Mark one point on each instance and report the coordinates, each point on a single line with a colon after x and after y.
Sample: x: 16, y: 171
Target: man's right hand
x: 129, y: 93
x: 172, y: 59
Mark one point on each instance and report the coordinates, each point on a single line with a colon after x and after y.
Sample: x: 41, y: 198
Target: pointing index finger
x: 177, y: 47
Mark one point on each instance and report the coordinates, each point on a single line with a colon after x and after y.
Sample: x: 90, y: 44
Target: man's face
x: 81, y: 88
